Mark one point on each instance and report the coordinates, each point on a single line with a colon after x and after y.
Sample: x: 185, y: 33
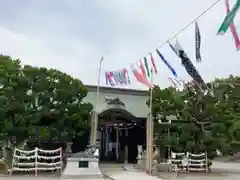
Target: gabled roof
x: 116, y: 101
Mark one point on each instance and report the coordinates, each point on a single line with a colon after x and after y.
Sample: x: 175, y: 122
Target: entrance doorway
x: 119, y: 134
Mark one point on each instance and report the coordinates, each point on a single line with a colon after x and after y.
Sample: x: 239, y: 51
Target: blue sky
x: 72, y: 35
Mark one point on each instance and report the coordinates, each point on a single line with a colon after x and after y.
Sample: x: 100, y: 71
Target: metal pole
x: 99, y: 77
x: 95, y: 126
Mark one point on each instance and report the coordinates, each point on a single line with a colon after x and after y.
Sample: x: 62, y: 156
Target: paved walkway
x: 221, y: 170
x: 229, y: 167
x: 117, y: 172
x: 203, y: 177
x: 133, y: 175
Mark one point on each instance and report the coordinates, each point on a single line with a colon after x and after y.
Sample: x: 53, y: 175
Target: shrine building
x: 121, y: 128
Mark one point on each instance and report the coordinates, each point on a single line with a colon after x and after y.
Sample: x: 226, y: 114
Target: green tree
x: 166, y: 102
x: 56, y: 100
x: 40, y: 102
x: 228, y: 90
x: 12, y: 96
x: 202, y: 121
x: 208, y: 122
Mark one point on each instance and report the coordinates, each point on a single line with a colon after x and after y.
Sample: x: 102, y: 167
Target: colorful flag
x: 153, y: 63
x: 178, y: 82
x: 172, y: 81
x: 126, y: 76
x: 188, y: 65
x: 233, y: 28
x: 171, y: 46
x: 117, y: 77
x: 142, y: 68
x: 147, y: 68
x: 166, y: 63
x: 229, y: 18
x: 140, y: 77
x: 109, y: 78
x: 197, y: 42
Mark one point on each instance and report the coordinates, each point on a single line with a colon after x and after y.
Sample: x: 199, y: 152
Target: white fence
x: 189, y: 162
x: 37, y: 160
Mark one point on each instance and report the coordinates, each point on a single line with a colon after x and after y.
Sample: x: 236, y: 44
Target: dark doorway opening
x: 136, y: 136
x: 116, y: 125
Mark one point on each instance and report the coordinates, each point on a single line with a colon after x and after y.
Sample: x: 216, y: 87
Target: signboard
x: 83, y: 164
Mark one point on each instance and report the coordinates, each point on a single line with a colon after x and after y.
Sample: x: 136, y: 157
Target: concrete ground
x: 220, y: 170
x: 201, y: 177
x: 226, y: 167
x: 143, y: 176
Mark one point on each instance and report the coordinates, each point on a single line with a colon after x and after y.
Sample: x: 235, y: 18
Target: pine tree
x: 229, y: 91
x: 202, y: 121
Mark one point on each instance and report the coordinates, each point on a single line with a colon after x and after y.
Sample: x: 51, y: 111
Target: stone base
x: 164, y: 167
x: 141, y: 164
x: 73, y: 171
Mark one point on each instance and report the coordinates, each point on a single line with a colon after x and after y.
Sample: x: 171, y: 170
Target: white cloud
x: 72, y: 36
x: 74, y: 58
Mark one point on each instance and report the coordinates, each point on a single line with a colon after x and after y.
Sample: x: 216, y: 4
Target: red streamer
x: 233, y: 28
x: 141, y: 78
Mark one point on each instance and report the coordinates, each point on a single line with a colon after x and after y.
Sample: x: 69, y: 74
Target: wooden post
x: 13, y: 160
x: 126, y: 147
x: 36, y: 161
x: 149, y: 144
x: 117, y: 143
x: 61, y: 160
x: 206, y: 161
x: 106, y: 140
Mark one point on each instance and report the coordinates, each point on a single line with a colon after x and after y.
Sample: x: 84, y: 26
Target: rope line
x: 185, y: 27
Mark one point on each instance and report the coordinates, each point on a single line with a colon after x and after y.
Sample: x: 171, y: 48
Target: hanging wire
x: 185, y: 27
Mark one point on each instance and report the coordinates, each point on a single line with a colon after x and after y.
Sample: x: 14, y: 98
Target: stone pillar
x: 94, y: 126
x: 126, y: 147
